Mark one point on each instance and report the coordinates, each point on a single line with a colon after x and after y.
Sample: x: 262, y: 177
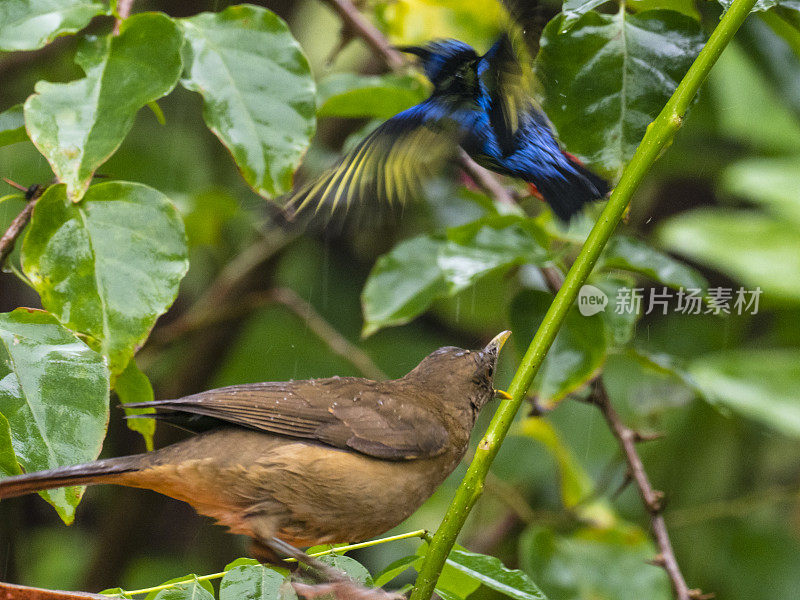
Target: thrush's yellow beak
x: 497, y: 342
x: 503, y: 394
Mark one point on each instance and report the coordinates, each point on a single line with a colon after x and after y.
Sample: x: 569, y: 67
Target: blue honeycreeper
x: 479, y: 103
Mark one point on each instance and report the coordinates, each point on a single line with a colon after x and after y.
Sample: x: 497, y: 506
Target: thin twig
x: 20, y: 221
x: 651, y: 497
x: 123, y: 12
x: 368, y: 32
x: 484, y: 178
x: 335, y: 341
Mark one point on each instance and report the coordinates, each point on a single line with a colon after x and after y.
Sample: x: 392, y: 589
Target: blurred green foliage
x: 723, y: 388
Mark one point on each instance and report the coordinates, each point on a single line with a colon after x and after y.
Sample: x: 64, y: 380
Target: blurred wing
x: 505, y: 72
x: 343, y: 412
x: 391, y: 163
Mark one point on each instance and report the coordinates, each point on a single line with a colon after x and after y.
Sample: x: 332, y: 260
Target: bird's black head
x: 449, y: 64
x: 463, y: 377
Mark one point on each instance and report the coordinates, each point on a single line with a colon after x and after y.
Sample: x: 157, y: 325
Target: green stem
x: 420, y: 533
x: 658, y: 136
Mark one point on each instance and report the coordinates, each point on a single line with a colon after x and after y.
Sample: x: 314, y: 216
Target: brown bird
x: 307, y: 462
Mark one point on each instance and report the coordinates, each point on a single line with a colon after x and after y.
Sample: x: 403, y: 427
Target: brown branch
x: 10, y: 591
x: 651, y: 497
x: 368, y: 32
x: 20, y: 221
x: 123, y: 12
x: 626, y: 436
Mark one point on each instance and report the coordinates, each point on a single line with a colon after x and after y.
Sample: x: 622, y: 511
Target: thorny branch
x: 626, y: 436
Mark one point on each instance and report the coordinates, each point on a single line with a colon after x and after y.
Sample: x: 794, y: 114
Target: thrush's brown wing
x: 367, y: 416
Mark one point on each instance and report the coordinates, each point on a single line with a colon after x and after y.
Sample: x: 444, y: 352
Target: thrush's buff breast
x: 309, y: 462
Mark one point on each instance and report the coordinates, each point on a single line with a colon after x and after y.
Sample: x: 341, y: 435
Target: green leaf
x: 77, y: 126
x: 747, y: 106
x: 773, y: 183
x: 631, y: 254
x: 763, y: 5
x: 258, y: 93
x: 608, y: 78
x: 54, y: 393
x: 115, y: 592
x: 686, y: 7
x: 351, y: 566
x: 620, y: 324
x: 190, y: 589
x: 452, y: 582
x: 367, y: 96
x: 577, y: 354
x: 12, y: 126
x: 133, y: 386
x: 601, y: 564
x: 8, y: 459
x: 770, y: 259
x: 401, y: 565
x: 31, y: 24
x: 576, y: 485
x: 575, y: 9
x: 109, y: 266
x: 408, y: 279
x: 254, y: 582
x: 763, y: 385
x: 494, y: 574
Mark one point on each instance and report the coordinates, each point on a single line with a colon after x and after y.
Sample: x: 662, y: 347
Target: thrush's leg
x: 338, y: 584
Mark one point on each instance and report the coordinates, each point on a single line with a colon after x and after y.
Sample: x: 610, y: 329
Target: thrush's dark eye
x: 491, y: 371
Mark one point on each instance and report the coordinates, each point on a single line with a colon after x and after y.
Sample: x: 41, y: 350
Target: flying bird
x: 479, y: 103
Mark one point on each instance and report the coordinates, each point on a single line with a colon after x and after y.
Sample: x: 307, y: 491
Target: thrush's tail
x: 99, y: 471
x: 572, y: 186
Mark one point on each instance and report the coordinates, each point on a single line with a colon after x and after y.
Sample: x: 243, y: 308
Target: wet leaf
x: 492, y: 573
x: 620, y: 321
x: 405, y: 282
x: 577, y: 354
x: 54, y: 394
x: 763, y: 5
x: 31, y: 24
x: 367, y: 96
x: 351, y: 566
x: 631, y: 254
x: 190, y: 589
x: 602, y: 564
x: 763, y: 385
x: 773, y: 183
x: 8, y: 459
x: 575, y: 9
x: 770, y: 259
x: 254, y: 582
x: 576, y: 485
x: 78, y: 125
x: 258, y: 93
x: 398, y: 567
x: 452, y: 583
x: 133, y: 386
x: 607, y: 78
x: 109, y: 266
x: 12, y: 126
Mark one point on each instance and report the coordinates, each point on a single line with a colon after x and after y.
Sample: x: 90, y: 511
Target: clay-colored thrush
x: 307, y: 462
